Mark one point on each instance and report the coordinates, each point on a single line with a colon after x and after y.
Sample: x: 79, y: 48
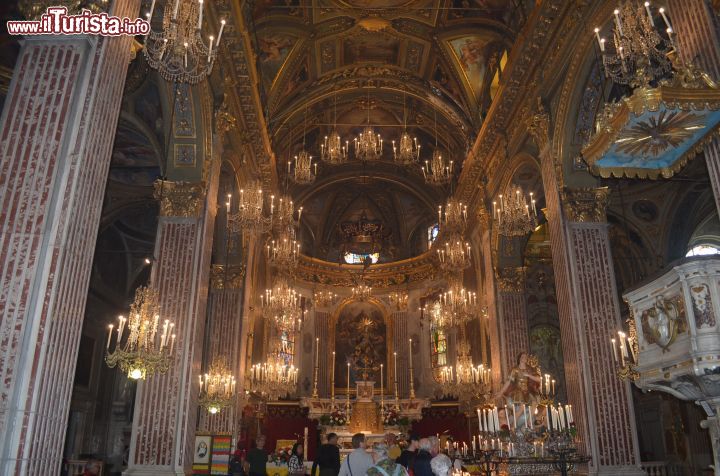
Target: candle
x: 222, y: 26
x: 599, y: 40
x: 479, y: 420
x: 647, y: 9
x: 553, y: 386
x: 382, y: 388
x: 514, y: 417
x: 348, y: 382
x: 617, y: 21
x: 175, y: 9
x: 110, y: 329
x: 497, y: 419
x: 332, y: 379
x: 200, y: 14
x: 152, y: 9
x: 305, y: 444
x: 614, y: 350
x: 317, y: 351
x: 665, y: 19
x: 571, y: 420
x: 395, y: 374
x: 410, y: 354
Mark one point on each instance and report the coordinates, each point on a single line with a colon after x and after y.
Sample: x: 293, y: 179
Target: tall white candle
x: 647, y: 9
x: 110, y: 330
x: 382, y: 387
x: 332, y: 378
x: 395, y: 374
x: 200, y: 14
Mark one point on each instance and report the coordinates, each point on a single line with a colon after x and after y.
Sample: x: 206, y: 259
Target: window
x: 286, y: 347
x: 433, y: 234
x: 359, y: 258
x: 703, y: 250
x: 438, y: 340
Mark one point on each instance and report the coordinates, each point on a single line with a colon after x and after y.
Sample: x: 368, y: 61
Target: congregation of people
x: 414, y: 457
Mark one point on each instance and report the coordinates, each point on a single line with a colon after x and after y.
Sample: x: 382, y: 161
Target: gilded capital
x: 585, y: 205
x: 226, y: 277
x: 511, y: 279
x: 180, y: 199
x: 539, y: 125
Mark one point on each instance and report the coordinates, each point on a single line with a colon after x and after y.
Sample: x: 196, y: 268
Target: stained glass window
x: 359, y: 258
x: 286, y: 346
x: 438, y: 340
x: 433, y: 234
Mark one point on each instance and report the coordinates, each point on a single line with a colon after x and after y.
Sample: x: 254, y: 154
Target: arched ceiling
x: 430, y: 61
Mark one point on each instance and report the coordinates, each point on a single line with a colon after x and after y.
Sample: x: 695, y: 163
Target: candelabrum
x: 361, y: 292
x: 283, y: 251
x: 273, y: 379
x: 625, y: 352
x: 282, y: 304
x: 217, y: 388
x: 324, y: 298
x: 514, y: 215
x: 638, y: 53
x: 332, y: 150
x: 368, y: 145
x: 141, y: 351
x: 304, y: 170
x: 251, y: 216
x: 455, y: 255
x: 453, y: 218
x: 438, y: 170
x: 456, y: 306
x: 407, y: 150
x: 178, y: 52
x: 399, y: 300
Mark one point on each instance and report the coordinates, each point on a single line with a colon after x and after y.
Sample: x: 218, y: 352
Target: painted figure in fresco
x: 523, y: 383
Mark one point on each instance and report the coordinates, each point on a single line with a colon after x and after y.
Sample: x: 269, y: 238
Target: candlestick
x: 332, y: 380
x: 395, y: 375
x: 305, y: 444
x: 412, y: 383
x: 347, y: 406
x: 382, y: 388
x: 317, y: 362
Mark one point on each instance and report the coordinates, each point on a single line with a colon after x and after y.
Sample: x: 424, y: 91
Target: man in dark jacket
x: 421, y: 465
x: 407, y: 457
x: 328, y: 457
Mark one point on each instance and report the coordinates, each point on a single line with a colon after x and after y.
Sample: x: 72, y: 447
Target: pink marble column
x: 697, y: 37
x: 512, y: 304
x: 224, y: 329
x: 166, y: 404
x: 56, y: 136
x: 610, y: 410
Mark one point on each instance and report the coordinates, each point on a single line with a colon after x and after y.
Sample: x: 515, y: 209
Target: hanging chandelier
x: 304, y: 171
x: 465, y: 381
x: 514, y: 216
x: 368, y: 145
x: 452, y: 219
x: 361, y: 292
x: 332, y: 150
x: 282, y: 213
x: 273, y: 379
x: 282, y: 304
x: 437, y: 171
x: 408, y: 150
x: 637, y: 54
x: 178, y: 52
x: 399, y: 300
x: 324, y: 298
x: 455, y: 255
x: 455, y: 307
x: 251, y: 216
x: 625, y: 353
x: 283, y: 251
x: 217, y: 388
x: 141, y: 351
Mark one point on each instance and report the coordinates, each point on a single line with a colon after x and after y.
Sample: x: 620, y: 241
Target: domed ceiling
x: 428, y: 64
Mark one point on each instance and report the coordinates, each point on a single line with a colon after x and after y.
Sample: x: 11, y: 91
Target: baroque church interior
x: 490, y: 224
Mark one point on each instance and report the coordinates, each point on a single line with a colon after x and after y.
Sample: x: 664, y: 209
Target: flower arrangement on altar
x: 281, y: 455
x: 337, y: 417
x: 391, y: 417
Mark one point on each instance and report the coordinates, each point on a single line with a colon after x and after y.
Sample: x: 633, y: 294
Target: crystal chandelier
x: 408, y: 150
x: 465, y: 381
x: 282, y: 304
x: 274, y: 378
x: 368, y: 145
x: 455, y: 255
x: 251, y: 216
x: 399, y: 300
x: 282, y: 215
x: 456, y: 306
x: 361, y: 292
x: 453, y: 219
x: 638, y: 54
x: 332, y: 150
x: 142, y: 352
x: 515, y: 217
x: 217, y: 388
x: 324, y: 298
x: 305, y: 170
x: 178, y: 52
x: 437, y: 171
x: 283, y: 252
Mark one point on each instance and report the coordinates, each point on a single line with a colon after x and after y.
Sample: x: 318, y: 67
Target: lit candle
x: 348, y: 385
x: 410, y: 354
x: 172, y: 343
x: 617, y: 21
x: 175, y: 9
x: 395, y: 374
x: 614, y: 350
x: 317, y: 351
x: 332, y: 379
x: 480, y: 420
x: 110, y: 329
x: 222, y: 26
x: 200, y: 14
x: 647, y: 9
x: 152, y: 9
x: 382, y: 387
x: 665, y: 19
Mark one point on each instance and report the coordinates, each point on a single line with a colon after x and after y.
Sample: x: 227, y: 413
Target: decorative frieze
x: 180, y: 199
x: 586, y: 204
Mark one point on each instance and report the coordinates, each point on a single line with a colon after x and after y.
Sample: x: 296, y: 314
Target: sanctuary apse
x: 491, y: 222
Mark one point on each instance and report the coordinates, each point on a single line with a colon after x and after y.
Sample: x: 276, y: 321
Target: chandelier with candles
x: 638, y: 53
x: 179, y: 52
x: 625, y: 352
x: 273, y: 379
x: 369, y: 144
x: 515, y: 215
x: 332, y: 150
x: 282, y: 304
x: 217, y: 388
x: 438, y: 170
x: 304, y: 171
x: 465, y: 381
x: 324, y: 298
x: 361, y: 292
x: 282, y: 212
x: 407, y: 151
x: 455, y: 255
x: 452, y: 218
x: 141, y: 351
x: 283, y: 251
x: 251, y: 216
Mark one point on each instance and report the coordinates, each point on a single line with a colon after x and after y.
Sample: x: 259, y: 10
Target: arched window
x: 359, y: 258
x: 438, y: 341
x: 432, y: 234
x: 286, y: 346
x: 703, y: 250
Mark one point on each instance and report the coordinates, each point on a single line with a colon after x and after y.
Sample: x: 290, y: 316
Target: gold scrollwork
x: 539, y: 125
x: 180, y: 199
x: 586, y: 204
x: 226, y: 277
x: 224, y: 120
x: 511, y: 279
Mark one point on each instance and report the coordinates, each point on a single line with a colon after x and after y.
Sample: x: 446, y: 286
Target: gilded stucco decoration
x: 226, y: 276
x: 511, y: 279
x: 180, y: 199
x: 539, y: 125
x: 225, y: 121
x: 585, y: 204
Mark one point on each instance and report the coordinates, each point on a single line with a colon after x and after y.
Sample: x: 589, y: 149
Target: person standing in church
x: 257, y: 457
x: 359, y: 461
x: 384, y: 465
x: 296, y: 465
x: 421, y: 465
x: 328, y: 457
x: 407, y: 457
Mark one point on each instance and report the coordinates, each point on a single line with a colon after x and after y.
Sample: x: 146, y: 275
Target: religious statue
x: 523, y: 383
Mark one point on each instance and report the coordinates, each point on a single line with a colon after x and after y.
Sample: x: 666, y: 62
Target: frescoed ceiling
x: 430, y: 64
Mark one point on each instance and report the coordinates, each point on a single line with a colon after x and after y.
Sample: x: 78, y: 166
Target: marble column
x: 166, y: 404
x: 224, y: 316
x: 589, y: 312
x: 56, y: 135
x: 698, y: 42
x: 512, y: 304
